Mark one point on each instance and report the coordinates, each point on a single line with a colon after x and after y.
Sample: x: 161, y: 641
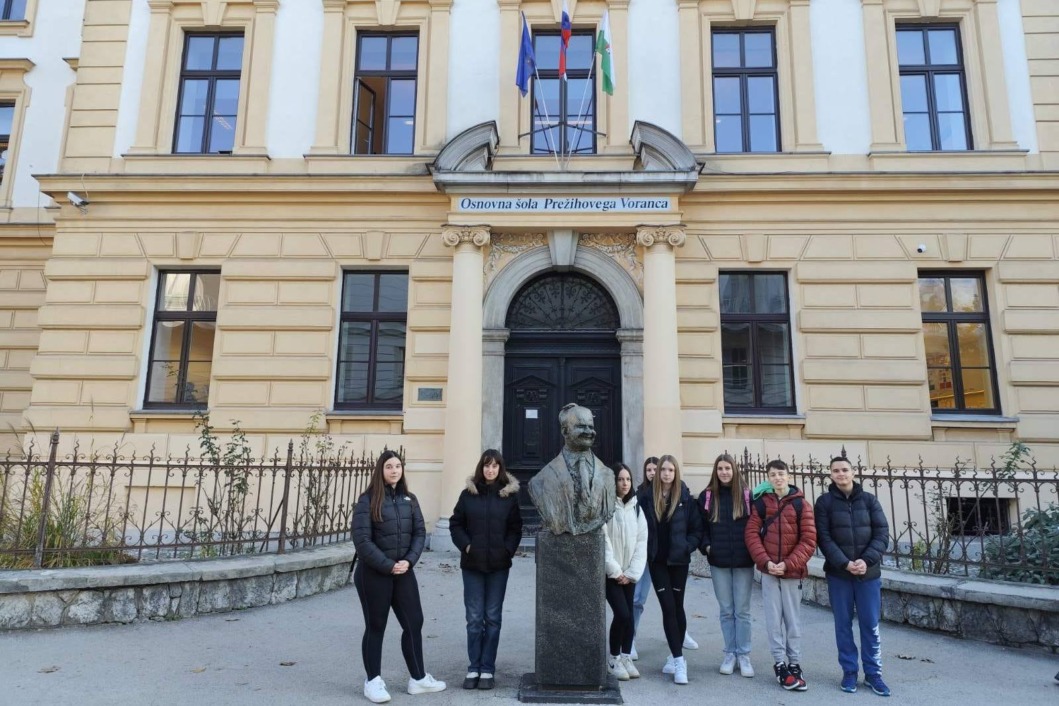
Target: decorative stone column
x: 493, y: 342
x: 254, y: 126
x: 661, y: 373
x: 463, y: 406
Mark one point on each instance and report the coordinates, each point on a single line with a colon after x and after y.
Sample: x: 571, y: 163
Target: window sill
x: 966, y: 161
x: 383, y: 414
x: 973, y: 421
x: 15, y: 28
x: 773, y: 419
x: 170, y: 164
x: 175, y: 413
x: 373, y: 164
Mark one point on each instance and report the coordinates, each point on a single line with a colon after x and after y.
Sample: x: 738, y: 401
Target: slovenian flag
x: 565, y: 31
x: 606, y: 59
x: 527, y: 61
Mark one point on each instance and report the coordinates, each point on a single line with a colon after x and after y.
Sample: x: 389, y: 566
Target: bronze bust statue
x: 574, y: 493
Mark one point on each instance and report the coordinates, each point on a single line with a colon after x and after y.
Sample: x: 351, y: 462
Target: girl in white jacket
x: 626, y: 556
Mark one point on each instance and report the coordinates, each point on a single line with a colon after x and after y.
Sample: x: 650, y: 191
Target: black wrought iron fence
x: 80, y: 509
x: 998, y: 522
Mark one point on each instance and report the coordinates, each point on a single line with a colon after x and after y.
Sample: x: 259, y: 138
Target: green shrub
x: 1038, y: 540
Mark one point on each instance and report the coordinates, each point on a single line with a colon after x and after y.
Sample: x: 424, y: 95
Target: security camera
x: 921, y: 248
x: 76, y: 199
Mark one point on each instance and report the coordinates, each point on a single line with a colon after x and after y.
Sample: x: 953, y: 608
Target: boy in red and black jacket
x: 781, y: 537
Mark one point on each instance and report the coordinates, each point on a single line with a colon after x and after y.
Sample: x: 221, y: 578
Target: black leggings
x: 669, y: 581
x: 619, y: 597
x: 378, y: 593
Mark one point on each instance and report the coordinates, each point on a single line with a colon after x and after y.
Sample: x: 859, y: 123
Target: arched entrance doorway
x: 563, y: 347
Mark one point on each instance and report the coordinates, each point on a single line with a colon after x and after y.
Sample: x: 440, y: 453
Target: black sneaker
x: 783, y: 676
x: 795, y: 670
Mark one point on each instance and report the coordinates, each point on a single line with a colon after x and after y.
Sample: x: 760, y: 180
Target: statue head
x: 578, y: 427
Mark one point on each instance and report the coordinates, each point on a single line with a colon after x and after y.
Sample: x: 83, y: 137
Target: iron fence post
x: 38, y: 554
x: 286, y: 495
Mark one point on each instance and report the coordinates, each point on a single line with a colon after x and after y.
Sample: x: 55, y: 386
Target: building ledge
x: 15, y: 28
x: 973, y: 421
x: 771, y: 419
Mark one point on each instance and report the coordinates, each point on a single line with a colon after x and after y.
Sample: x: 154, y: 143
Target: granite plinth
x: 571, y: 644
x: 529, y: 691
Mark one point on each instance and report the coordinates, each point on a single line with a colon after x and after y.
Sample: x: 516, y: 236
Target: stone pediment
x: 659, y: 162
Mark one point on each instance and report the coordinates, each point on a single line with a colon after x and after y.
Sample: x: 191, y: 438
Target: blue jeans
x: 732, y: 588
x: 639, y: 598
x: 866, y: 597
x: 483, y: 596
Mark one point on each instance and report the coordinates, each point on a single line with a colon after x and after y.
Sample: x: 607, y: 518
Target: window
x: 745, y: 94
x: 933, y: 88
x: 972, y: 517
x: 209, y: 94
x: 960, y: 370
x: 7, y: 117
x: 384, y: 109
x: 564, y: 112
x: 371, y: 344
x: 12, y: 9
x: 185, y: 322
x: 756, y: 343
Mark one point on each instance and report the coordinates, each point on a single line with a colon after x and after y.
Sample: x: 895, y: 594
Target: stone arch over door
x: 622, y: 289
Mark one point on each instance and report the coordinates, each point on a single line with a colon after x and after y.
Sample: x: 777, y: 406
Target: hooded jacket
x: 786, y: 540
x: 400, y: 535
x: 849, y: 529
x: 487, y: 519
x: 685, y: 527
x: 626, y: 541
x: 723, y: 541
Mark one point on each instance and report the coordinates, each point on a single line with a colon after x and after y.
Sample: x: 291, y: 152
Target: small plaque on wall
x: 430, y: 394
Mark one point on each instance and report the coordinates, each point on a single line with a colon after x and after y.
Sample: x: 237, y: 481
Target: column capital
x: 457, y: 235
x: 652, y: 235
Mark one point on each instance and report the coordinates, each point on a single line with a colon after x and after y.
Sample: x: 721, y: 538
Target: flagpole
x: 580, y: 110
x: 547, y: 118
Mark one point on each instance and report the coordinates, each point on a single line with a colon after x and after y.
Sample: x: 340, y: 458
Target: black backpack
x: 759, y: 505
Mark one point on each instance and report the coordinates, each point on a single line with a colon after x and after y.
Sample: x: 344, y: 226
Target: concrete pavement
x: 308, y: 652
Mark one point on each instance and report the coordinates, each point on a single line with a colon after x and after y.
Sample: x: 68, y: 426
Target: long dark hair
x: 377, y: 485
x: 737, y: 488
x: 618, y: 468
x: 489, y: 456
x: 647, y: 462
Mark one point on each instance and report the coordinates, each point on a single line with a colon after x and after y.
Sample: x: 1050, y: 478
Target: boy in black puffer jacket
x: 853, y: 533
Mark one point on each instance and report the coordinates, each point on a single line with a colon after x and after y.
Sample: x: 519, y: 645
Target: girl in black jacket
x: 486, y: 527
x: 674, y: 531
x: 389, y: 535
x: 725, y: 505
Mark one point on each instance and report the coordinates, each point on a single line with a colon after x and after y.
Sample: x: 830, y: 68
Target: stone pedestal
x: 571, y: 641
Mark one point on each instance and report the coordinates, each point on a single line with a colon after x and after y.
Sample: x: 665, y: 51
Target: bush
x: 1028, y: 555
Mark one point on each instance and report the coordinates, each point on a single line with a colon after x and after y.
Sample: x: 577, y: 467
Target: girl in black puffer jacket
x: 674, y: 531
x: 486, y: 527
x: 725, y: 506
x: 389, y: 534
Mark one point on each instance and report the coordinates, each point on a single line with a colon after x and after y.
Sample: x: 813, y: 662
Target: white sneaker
x: 680, y: 671
x: 689, y: 642
x: 670, y: 665
x: 745, y: 668
x: 616, y: 666
x: 426, y: 685
x: 375, y: 690
x: 728, y: 665
x: 626, y: 661
x: 633, y: 653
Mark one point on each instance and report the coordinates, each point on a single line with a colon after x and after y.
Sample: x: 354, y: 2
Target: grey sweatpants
x: 783, y: 614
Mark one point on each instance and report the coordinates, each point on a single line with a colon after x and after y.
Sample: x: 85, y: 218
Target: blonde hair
x: 656, y: 487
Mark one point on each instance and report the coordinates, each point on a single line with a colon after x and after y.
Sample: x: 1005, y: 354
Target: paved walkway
x: 307, y: 652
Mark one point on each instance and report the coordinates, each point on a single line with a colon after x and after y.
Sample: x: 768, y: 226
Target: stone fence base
x: 167, y: 591
x: 1019, y: 615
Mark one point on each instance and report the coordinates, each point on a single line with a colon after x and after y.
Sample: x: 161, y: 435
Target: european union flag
x: 527, y: 62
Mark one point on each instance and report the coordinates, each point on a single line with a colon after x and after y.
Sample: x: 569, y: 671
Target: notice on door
x: 531, y: 414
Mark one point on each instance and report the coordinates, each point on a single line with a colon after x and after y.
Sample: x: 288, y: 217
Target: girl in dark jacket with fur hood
x: 486, y: 527
x: 389, y: 534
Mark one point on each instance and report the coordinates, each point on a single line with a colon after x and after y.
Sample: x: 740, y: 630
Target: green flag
x: 606, y: 61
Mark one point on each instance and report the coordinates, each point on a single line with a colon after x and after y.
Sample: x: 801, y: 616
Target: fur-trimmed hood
x: 510, y: 489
